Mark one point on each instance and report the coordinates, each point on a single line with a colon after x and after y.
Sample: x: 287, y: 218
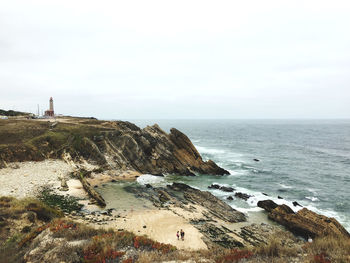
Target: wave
x: 205, y: 150
x: 258, y: 196
x: 312, y: 198
x: 285, y: 186
x: 150, y: 179
x: 237, y: 173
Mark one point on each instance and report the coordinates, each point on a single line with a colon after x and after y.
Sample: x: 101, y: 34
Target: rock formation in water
x: 305, y: 222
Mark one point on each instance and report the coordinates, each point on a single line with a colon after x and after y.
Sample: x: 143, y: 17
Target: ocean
x: 307, y: 161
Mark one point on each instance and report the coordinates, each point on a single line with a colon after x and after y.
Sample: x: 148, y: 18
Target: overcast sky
x: 177, y: 59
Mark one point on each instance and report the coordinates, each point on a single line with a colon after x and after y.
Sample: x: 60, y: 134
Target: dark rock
x: 215, y: 206
x: 243, y: 196
x: 163, y: 196
x: 159, y: 174
x: 265, y: 194
x: 222, y: 188
x: 144, y: 226
x: 226, y: 189
x: 148, y: 186
x: 214, y: 186
x: 295, y: 203
x: 268, y: 205
x: 113, y: 181
x: 214, y: 234
x: 90, y: 190
x: 180, y: 187
x: 305, y: 222
x: 279, y: 197
x: 260, y: 235
x: 230, y: 198
x: 190, y: 172
x: 256, y: 160
x: 284, y: 209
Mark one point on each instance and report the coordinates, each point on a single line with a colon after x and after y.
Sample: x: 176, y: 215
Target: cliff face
x: 116, y: 145
x: 151, y: 150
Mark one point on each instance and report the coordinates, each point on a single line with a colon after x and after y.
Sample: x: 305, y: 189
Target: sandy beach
x: 24, y: 179
x: 161, y: 225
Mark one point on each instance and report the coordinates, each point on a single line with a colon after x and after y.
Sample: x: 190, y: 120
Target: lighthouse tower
x: 51, y: 104
x: 50, y: 112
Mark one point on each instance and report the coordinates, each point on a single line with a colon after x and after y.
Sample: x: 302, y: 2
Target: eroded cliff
x: 114, y: 145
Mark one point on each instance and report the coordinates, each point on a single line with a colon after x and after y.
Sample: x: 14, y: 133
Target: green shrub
x: 64, y: 203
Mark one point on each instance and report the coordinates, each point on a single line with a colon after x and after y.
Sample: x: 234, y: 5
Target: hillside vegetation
x: 12, y: 113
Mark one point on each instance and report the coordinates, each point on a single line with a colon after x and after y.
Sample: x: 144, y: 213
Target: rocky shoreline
x: 76, y: 158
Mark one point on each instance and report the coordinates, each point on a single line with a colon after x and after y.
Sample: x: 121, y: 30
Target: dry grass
x: 14, y: 208
x: 334, y: 249
x: 280, y: 244
x: 76, y: 231
x: 217, y: 255
x: 156, y: 256
x: 275, y: 248
x: 28, y: 140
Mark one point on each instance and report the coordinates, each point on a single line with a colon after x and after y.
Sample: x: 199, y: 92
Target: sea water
x: 307, y: 161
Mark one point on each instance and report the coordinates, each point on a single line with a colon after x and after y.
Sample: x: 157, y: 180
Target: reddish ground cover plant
x: 61, y: 224
x: 32, y: 235
x: 234, y: 256
x: 146, y: 243
x: 54, y: 227
x: 106, y: 247
x: 94, y: 254
x: 321, y: 258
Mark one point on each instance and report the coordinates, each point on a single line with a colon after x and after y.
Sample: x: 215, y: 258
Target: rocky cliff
x: 114, y: 145
x: 305, y: 222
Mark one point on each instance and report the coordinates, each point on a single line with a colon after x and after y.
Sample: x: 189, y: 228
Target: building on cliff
x: 50, y: 112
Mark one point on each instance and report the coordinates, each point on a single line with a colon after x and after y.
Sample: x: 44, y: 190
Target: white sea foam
x: 258, y: 196
x: 246, y: 210
x: 285, y: 186
x: 203, y: 150
x: 150, y: 179
x: 312, y: 198
x: 237, y: 173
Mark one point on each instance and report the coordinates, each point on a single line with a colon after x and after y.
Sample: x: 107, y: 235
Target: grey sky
x: 177, y: 59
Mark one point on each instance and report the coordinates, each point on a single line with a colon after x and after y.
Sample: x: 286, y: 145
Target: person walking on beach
x: 177, y: 235
x: 182, y: 233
